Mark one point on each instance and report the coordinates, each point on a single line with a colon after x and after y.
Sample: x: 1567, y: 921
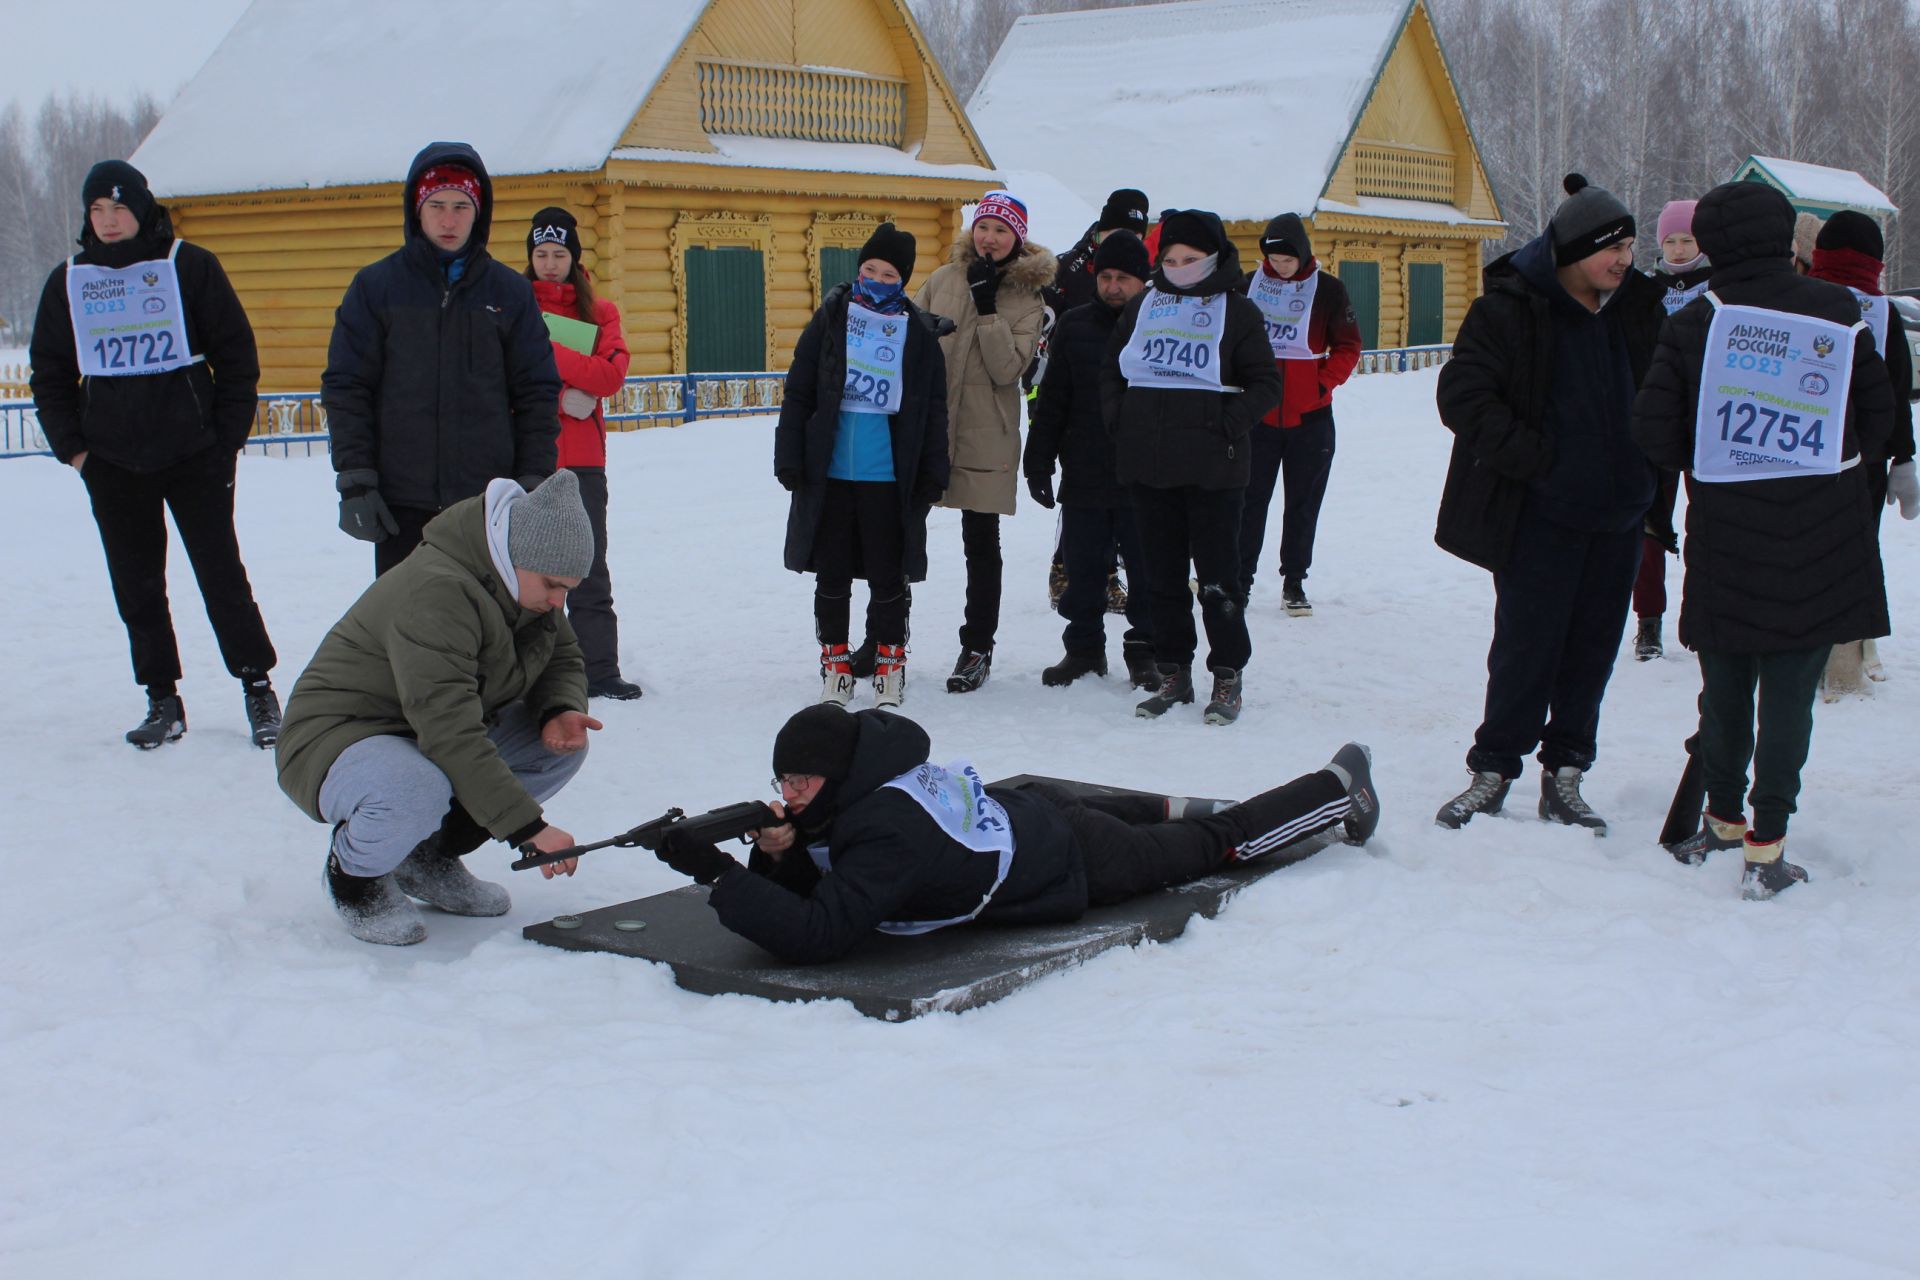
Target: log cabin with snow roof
x: 725, y: 158
x: 1340, y: 111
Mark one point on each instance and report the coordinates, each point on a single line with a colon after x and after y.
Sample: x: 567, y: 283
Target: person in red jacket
x: 587, y: 376
x: 1297, y: 438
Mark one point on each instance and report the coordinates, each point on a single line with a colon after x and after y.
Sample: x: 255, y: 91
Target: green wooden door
x: 1426, y: 303
x: 837, y: 266
x: 1363, y: 286
x: 726, y: 310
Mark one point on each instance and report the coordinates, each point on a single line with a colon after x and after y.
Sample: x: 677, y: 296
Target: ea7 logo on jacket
x: 1823, y: 346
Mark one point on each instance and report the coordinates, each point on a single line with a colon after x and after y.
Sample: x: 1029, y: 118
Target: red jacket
x: 1307, y: 389
x: 583, y: 441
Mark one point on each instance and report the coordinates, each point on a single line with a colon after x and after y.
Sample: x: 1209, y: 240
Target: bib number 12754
x: 1781, y: 431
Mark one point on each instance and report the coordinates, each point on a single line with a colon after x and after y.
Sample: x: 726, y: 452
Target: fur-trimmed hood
x: 1032, y: 268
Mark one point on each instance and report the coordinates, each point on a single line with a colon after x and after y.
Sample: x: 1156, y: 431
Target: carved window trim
x: 836, y: 231
x: 711, y: 231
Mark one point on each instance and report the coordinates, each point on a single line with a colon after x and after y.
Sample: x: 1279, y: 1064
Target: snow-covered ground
x: 1508, y: 1051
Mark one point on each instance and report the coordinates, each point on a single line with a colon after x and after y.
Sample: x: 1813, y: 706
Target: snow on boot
x: 860, y: 660
x: 1116, y: 593
x: 1768, y: 871
x: 1870, y: 661
x: 1485, y: 794
x: 373, y: 907
x: 1646, y: 640
x: 1224, y: 706
x: 166, y: 722
x: 1353, y: 763
x: 1713, y: 836
x: 442, y: 880
x: 1293, y: 598
x: 1056, y: 583
x: 263, y: 714
x: 970, y: 672
x: 1141, y: 670
x: 1843, y: 675
x: 1072, y: 667
x: 1560, y: 800
x: 1176, y: 687
x: 836, y: 674
x: 889, y: 675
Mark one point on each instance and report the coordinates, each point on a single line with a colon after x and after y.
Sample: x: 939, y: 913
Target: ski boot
x: 889, y: 675
x: 970, y: 671
x: 1224, y: 706
x: 836, y: 675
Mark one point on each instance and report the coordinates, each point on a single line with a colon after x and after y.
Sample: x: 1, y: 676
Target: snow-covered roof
x: 1239, y: 106
x: 1405, y: 211
x: 1819, y: 184
x: 309, y: 94
x: 830, y: 157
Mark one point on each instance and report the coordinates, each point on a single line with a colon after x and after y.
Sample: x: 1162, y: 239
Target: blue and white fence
x: 295, y: 421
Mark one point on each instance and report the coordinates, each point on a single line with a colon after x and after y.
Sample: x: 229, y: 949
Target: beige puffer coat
x: 986, y: 357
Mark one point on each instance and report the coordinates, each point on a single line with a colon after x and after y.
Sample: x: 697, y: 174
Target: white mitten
x: 1904, y: 487
x: 576, y: 403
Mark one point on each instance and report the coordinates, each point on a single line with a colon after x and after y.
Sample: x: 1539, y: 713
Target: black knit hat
x: 1590, y: 219
x: 1848, y: 229
x: 554, y: 225
x: 1286, y: 234
x: 1122, y: 251
x: 120, y: 182
x: 892, y: 246
x: 818, y: 740
x: 1125, y: 210
x: 1185, y: 226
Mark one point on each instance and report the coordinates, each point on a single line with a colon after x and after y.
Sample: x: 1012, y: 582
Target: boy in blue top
x: 862, y: 447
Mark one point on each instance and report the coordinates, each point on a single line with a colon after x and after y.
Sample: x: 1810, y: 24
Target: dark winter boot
x: 1646, y: 640
x: 1176, y: 687
x: 440, y: 879
x: 1141, y: 669
x: 616, y: 687
x: 1768, y: 871
x: 1713, y: 836
x: 373, y: 907
x: 970, y: 672
x: 263, y: 713
x: 1560, y: 800
x: 1485, y: 794
x: 1224, y: 706
x: 860, y: 661
x: 1293, y: 598
x: 1116, y: 593
x: 1072, y: 667
x: 166, y: 722
x: 1354, y: 762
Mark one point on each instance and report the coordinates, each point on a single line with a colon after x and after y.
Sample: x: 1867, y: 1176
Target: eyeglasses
x: 791, y: 781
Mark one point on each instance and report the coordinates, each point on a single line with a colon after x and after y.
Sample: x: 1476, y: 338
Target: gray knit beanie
x: 548, y: 530
x: 1590, y: 219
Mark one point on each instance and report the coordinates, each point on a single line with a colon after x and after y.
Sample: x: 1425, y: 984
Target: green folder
x: 568, y: 332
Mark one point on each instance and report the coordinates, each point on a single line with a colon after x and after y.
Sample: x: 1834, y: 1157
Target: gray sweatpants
x: 384, y: 797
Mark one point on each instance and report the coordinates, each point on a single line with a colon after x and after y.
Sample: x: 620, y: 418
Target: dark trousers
x: 1786, y: 682
x: 398, y: 546
x: 1650, y: 587
x: 1129, y: 849
x: 1303, y: 455
x: 130, y: 508
x: 980, y: 541
x: 1201, y: 527
x: 590, y: 605
x: 1560, y: 608
x: 1088, y: 536
x: 860, y: 536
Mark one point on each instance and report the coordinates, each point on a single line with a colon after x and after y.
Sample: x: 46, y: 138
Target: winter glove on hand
x: 576, y: 403
x: 985, y: 283
x: 702, y: 863
x: 926, y: 493
x: 789, y: 478
x: 1041, y: 487
x: 363, y: 512
x: 1903, y: 486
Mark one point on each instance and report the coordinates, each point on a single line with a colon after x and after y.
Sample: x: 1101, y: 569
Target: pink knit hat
x: 1677, y: 216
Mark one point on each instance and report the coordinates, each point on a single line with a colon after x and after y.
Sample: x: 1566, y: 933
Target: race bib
x: 1773, y: 395
x: 1873, y: 313
x: 128, y: 320
x: 1286, y: 304
x: 957, y: 799
x: 876, y: 349
x: 1676, y: 297
x: 1176, y: 342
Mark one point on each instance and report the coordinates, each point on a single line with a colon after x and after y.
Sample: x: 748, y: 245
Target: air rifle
x: 725, y: 823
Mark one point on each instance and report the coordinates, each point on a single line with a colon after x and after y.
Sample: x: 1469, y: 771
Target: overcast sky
x: 113, y: 49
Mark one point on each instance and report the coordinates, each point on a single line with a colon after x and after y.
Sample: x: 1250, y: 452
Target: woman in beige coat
x: 990, y: 289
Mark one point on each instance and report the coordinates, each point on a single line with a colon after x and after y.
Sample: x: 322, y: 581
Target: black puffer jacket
x: 145, y: 422
x: 892, y: 862
x: 1787, y: 563
x: 810, y: 420
x: 1171, y: 439
x: 441, y: 388
x: 1067, y: 426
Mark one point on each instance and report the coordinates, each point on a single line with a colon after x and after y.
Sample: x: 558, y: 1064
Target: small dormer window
x: 1402, y: 173
x: 805, y: 103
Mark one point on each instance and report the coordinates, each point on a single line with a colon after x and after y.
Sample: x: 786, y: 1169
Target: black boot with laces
x: 166, y: 722
x: 263, y: 714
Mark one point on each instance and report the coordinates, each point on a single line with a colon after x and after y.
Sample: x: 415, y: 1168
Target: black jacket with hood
x: 441, y: 387
x: 892, y: 862
x: 1067, y: 424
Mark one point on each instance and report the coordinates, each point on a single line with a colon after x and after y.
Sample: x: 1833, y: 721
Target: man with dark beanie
x: 1770, y: 394
x: 145, y: 379
x: 1073, y: 279
x: 878, y: 837
x: 440, y: 374
x: 1547, y: 489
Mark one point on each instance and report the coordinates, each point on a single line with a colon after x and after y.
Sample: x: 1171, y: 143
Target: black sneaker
x: 970, y: 672
x: 1560, y: 800
x: 1293, y: 598
x: 1141, y: 669
x: 1224, y: 706
x: 1176, y: 687
x: 616, y: 687
x: 442, y: 880
x: 373, y: 907
x: 263, y: 714
x: 1714, y: 836
x: 1485, y: 794
x: 1767, y: 876
x: 166, y: 722
x: 1363, y: 812
x: 1072, y: 667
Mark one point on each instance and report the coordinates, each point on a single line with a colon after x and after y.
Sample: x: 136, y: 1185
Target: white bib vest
x: 1286, y: 305
x: 1773, y: 395
x: 1676, y: 297
x: 876, y: 352
x: 1176, y: 342
x: 1873, y: 313
x: 128, y: 320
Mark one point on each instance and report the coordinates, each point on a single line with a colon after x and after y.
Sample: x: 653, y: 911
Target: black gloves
x: 984, y: 280
x: 363, y: 512
x: 789, y: 478
x: 1041, y: 487
x: 926, y: 492
x: 701, y: 862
